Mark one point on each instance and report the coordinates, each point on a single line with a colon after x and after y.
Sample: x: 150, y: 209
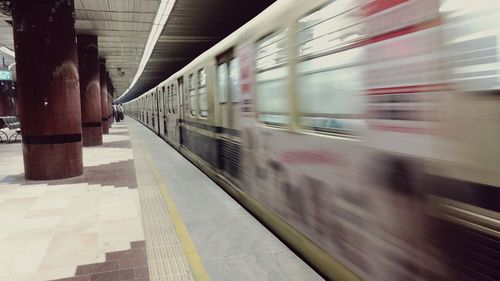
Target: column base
x: 52, y: 161
x: 105, y: 127
x: 92, y: 136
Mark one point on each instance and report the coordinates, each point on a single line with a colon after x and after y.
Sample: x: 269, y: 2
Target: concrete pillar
x: 48, y: 88
x: 90, y: 89
x: 104, y: 96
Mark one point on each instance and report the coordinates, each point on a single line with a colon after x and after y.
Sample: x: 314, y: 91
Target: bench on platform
x: 10, y: 128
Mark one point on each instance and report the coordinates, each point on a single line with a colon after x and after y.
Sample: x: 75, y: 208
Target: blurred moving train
x: 366, y: 133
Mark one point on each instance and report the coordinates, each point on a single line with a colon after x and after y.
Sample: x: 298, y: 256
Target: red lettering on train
x: 311, y: 156
x: 245, y: 73
x: 245, y: 88
x: 378, y: 6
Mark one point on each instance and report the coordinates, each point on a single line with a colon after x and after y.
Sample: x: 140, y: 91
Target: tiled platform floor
x: 112, y: 223
x: 49, y: 228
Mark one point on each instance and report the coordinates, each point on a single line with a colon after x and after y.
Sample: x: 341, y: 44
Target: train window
x: 330, y: 28
x: 329, y: 83
x: 271, y: 51
x: 168, y: 99
x: 202, y: 91
x: 180, y: 92
x: 177, y: 98
x: 164, y: 99
x: 271, y: 78
x: 172, y: 107
x: 173, y: 98
x: 234, y: 76
x: 192, y: 95
x: 222, y: 83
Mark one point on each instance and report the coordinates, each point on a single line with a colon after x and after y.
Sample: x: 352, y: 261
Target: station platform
x: 141, y: 211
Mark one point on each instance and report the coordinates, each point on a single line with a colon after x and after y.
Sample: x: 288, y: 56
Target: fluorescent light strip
x: 8, y: 51
x: 159, y: 22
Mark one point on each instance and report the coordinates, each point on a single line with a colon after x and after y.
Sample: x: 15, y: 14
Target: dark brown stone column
x: 47, y: 84
x: 104, y: 96
x: 90, y: 89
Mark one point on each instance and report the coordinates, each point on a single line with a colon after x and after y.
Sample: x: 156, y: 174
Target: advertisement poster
x: 247, y: 78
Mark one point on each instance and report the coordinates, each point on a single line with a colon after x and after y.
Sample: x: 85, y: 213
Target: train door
x: 167, y: 111
x: 227, y: 94
x: 160, y: 113
x: 228, y: 97
x: 146, y: 108
x: 172, y: 120
x: 234, y: 92
x: 175, y: 114
x: 180, y: 93
x: 228, y: 89
x: 164, y: 109
x: 157, y: 110
x: 151, y: 110
x: 180, y: 88
x: 143, y: 119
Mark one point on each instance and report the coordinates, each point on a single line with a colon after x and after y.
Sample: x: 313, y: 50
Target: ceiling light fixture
x: 8, y: 51
x: 159, y: 22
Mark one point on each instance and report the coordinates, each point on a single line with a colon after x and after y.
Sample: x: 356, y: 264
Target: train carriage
x: 363, y: 132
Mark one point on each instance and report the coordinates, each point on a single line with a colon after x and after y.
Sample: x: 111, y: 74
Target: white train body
x: 370, y: 127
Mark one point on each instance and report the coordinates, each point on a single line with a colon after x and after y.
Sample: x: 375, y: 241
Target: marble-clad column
x: 90, y: 89
x: 48, y: 88
x: 104, y: 96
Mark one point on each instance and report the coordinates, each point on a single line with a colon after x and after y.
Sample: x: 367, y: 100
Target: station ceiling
x: 123, y: 28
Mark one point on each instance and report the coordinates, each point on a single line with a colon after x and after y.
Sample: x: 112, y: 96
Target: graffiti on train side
x: 312, y: 189
x: 329, y: 192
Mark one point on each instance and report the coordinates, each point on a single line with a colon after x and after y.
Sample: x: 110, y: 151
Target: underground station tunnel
x: 249, y: 140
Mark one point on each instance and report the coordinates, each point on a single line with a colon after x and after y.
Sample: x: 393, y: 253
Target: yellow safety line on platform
x: 199, y: 271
